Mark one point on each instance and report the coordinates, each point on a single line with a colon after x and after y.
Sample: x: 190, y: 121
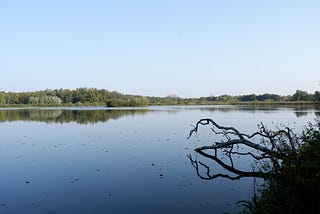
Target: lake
x: 122, y: 160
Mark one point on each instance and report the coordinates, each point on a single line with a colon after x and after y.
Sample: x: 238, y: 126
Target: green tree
x: 93, y: 95
x: 301, y: 96
x: 2, y: 98
x: 45, y: 100
x: 317, y: 96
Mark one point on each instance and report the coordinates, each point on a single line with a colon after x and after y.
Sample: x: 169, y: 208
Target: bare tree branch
x: 273, y: 146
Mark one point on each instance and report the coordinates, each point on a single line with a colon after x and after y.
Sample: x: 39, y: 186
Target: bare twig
x: 273, y: 146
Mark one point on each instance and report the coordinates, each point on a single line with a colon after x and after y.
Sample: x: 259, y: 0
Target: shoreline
x: 253, y: 103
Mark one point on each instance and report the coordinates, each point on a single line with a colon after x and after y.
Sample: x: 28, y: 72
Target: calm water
x: 99, y: 160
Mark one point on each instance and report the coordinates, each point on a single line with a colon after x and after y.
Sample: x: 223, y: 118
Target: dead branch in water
x: 273, y: 147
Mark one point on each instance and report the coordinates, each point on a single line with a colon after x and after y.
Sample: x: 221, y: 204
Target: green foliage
x: 96, y: 97
x: 132, y: 102
x: 138, y: 101
x: 246, y: 98
x: 301, y: 96
x: 77, y: 97
x: 296, y: 186
x: 116, y: 102
x: 45, y: 100
x: 2, y: 98
x: 317, y: 96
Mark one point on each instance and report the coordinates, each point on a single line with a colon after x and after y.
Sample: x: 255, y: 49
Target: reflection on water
x: 102, y: 160
x: 94, y: 115
x: 65, y: 116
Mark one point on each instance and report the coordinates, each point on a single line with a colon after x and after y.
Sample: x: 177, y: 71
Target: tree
x: 272, y: 147
x: 246, y: 98
x: 301, y: 96
x: 289, y: 163
x: 45, y: 100
x: 2, y: 98
x: 317, y: 96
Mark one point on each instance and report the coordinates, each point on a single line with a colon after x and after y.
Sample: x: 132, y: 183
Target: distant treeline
x: 102, y: 97
x: 299, y: 97
x: 78, y: 97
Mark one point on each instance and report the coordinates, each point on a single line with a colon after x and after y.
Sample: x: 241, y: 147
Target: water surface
x: 122, y: 160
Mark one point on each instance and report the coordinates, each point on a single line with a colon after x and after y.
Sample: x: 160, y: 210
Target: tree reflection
x: 66, y: 116
x: 301, y: 113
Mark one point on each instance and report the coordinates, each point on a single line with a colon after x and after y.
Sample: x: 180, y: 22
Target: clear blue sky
x: 189, y: 48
